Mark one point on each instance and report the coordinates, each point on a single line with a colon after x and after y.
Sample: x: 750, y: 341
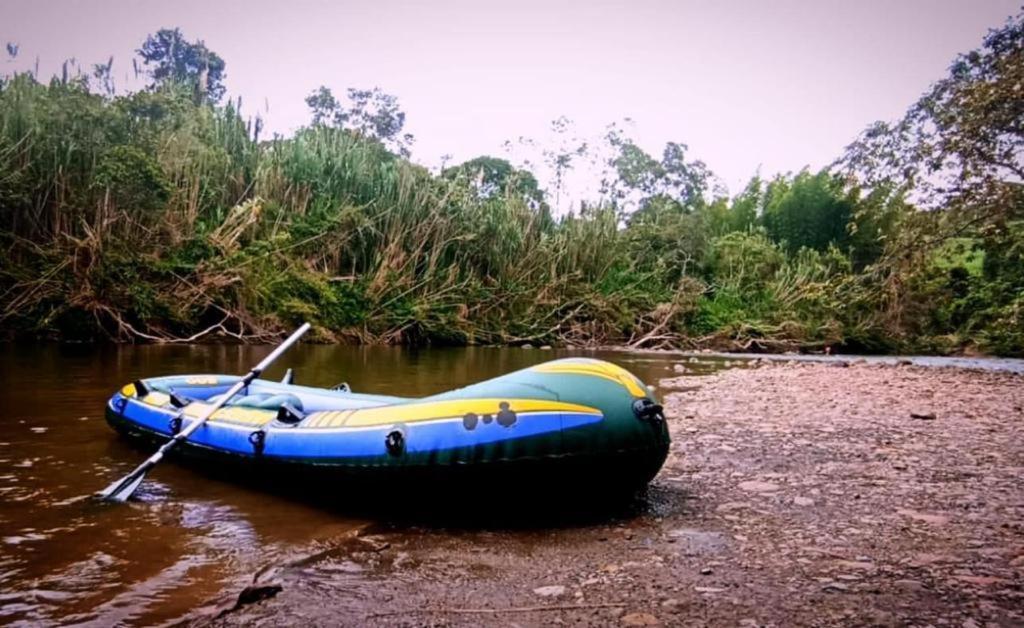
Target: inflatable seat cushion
x: 265, y: 401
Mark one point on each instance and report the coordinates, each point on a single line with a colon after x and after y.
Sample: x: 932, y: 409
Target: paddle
x: 122, y: 489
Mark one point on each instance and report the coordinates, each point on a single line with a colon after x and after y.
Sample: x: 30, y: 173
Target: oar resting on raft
x: 122, y: 489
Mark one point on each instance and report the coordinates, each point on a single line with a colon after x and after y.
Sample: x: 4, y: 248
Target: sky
x: 752, y: 85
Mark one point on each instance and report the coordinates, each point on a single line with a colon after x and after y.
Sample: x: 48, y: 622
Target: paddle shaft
x: 205, y: 416
x: 227, y: 396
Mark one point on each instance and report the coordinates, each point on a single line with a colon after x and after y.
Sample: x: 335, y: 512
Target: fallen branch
x: 494, y: 611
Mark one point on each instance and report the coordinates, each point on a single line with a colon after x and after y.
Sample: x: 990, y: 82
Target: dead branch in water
x: 495, y: 611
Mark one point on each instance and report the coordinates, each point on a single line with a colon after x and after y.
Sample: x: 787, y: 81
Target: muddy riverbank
x: 795, y: 494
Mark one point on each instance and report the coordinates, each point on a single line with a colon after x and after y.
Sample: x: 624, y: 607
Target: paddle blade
x: 122, y: 489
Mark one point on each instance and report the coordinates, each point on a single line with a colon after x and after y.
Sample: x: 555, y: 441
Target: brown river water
x: 187, y: 540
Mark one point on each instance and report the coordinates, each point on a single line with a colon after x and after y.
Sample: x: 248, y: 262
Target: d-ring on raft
x: 577, y: 425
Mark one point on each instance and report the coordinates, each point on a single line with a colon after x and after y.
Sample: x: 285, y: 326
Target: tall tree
x: 566, y: 148
x: 371, y: 113
x: 811, y: 210
x: 174, y: 59
x: 640, y: 178
x: 962, y: 143
x: 493, y: 177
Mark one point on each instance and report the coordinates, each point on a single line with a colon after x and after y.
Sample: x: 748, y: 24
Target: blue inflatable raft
x: 564, y: 424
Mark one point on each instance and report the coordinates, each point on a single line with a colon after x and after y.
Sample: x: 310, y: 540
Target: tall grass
x: 146, y: 217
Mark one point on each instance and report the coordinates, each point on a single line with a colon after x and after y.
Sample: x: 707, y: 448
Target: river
x: 187, y: 538
x: 189, y: 542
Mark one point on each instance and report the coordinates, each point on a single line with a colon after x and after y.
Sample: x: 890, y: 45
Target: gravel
x: 794, y: 495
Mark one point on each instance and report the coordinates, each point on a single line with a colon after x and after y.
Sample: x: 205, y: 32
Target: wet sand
x: 795, y: 495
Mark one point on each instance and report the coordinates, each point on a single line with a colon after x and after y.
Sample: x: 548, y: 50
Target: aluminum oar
x: 122, y: 489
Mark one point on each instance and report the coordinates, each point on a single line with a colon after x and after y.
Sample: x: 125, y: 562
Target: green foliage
x: 132, y: 179
x: 160, y: 214
x: 496, y: 178
x: 175, y: 60
x: 640, y: 178
x: 745, y: 262
x: 369, y: 113
x: 808, y: 210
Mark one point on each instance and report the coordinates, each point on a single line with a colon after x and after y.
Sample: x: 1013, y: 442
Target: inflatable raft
x: 568, y: 424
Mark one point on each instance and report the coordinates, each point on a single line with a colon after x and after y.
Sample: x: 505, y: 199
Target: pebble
x: 727, y: 506
x: 553, y: 590
x: 924, y: 517
x: 856, y: 564
x: 983, y: 581
x: 755, y: 486
x: 803, y: 501
x: 640, y: 619
x: 257, y: 593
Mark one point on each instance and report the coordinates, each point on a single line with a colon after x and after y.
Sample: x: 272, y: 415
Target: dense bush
x: 161, y: 215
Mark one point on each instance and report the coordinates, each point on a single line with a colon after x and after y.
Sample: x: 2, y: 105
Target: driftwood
x: 496, y: 611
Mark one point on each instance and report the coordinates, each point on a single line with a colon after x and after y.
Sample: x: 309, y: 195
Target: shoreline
x: 978, y: 362
x: 795, y: 494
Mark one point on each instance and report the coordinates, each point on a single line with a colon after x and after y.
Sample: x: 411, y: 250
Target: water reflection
x: 65, y: 558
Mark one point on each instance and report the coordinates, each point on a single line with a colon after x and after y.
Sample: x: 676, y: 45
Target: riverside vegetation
x: 161, y: 215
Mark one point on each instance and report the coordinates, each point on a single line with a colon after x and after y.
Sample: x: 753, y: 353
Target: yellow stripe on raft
x: 596, y: 368
x: 232, y: 414
x: 431, y: 410
x: 158, y: 399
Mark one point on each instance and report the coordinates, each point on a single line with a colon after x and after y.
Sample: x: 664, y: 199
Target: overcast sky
x: 747, y: 84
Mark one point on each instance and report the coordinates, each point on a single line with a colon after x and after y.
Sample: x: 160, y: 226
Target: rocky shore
x: 796, y: 494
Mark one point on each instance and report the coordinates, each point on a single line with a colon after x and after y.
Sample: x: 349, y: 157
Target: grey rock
x: 551, y: 590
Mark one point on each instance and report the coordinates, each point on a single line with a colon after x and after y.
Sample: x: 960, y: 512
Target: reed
x: 148, y: 217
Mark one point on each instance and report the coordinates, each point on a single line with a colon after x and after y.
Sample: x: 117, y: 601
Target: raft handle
x: 178, y: 401
x: 289, y: 415
x: 258, y: 440
x: 646, y: 410
x: 394, y: 442
x: 174, y: 425
x: 141, y: 390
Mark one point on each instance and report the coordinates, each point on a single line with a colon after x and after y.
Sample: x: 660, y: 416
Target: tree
x: 811, y: 210
x: 958, y: 152
x: 640, y: 178
x: 492, y: 177
x: 962, y: 143
x: 745, y: 208
x: 568, y: 148
x: 323, y: 105
x: 103, y: 73
x: 371, y: 113
x: 191, y: 63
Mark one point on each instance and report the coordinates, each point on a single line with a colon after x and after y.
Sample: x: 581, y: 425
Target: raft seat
x: 262, y: 401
